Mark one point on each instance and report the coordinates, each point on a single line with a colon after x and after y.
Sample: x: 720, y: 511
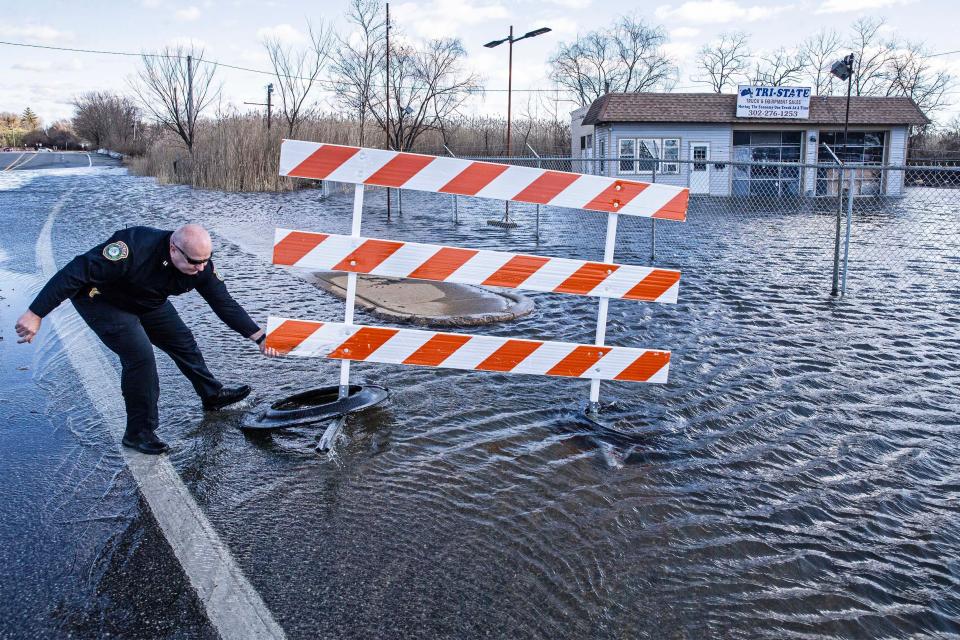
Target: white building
x: 638, y: 127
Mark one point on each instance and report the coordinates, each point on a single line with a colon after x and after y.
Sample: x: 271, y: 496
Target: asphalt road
x: 30, y: 160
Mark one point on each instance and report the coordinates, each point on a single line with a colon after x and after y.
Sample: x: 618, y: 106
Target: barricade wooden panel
x: 436, y: 174
x: 332, y: 252
x: 460, y: 351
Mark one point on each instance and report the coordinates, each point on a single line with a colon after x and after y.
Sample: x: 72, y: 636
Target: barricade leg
x: 603, y: 306
x: 326, y: 441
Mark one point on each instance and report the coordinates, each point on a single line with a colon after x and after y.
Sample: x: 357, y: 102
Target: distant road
x: 16, y: 160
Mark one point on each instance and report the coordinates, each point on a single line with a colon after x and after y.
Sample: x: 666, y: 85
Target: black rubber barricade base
x: 313, y: 406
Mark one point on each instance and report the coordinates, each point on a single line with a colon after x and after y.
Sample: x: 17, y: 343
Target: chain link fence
x: 786, y: 221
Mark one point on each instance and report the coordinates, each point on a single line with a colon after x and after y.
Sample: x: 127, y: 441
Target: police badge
x: 116, y: 251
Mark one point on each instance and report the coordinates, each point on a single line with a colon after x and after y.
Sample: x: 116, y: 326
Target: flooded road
x: 796, y: 477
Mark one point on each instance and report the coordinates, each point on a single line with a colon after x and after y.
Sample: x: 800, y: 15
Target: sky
x: 231, y: 31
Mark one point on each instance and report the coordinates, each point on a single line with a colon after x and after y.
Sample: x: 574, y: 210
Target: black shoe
x: 146, y: 442
x: 225, y: 397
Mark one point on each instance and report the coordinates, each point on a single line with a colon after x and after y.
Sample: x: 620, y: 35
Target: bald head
x: 193, y: 239
x: 190, y: 243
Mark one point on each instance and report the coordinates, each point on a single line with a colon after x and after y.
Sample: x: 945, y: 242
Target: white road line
x: 89, y: 161
x: 233, y: 605
x: 7, y: 168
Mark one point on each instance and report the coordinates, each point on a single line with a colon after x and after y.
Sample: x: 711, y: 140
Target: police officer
x: 120, y: 288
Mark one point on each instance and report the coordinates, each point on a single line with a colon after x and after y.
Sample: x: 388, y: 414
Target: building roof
x: 722, y: 108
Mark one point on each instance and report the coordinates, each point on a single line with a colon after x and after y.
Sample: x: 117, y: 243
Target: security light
x: 843, y: 69
x: 535, y: 32
x: 494, y: 43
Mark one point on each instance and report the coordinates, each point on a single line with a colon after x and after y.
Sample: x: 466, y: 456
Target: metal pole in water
x: 836, y: 243
x: 653, y: 225
x: 846, y: 245
x: 539, y: 166
x: 608, y: 248
x: 456, y: 198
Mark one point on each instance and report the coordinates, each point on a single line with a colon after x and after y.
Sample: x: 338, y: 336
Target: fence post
x: 846, y: 245
x: 537, y: 227
x: 835, y: 291
x: 653, y: 223
x: 604, y: 304
x: 456, y: 198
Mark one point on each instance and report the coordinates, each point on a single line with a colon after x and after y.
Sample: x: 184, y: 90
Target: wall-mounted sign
x: 773, y: 102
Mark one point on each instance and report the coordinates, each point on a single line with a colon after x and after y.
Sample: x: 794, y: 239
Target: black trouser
x: 132, y: 337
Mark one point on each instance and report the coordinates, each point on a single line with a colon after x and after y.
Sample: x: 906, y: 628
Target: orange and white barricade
x: 356, y: 254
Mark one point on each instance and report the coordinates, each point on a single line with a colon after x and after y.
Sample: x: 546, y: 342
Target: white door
x: 700, y: 169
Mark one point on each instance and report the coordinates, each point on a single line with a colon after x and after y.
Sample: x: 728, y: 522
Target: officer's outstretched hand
x: 270, y: 352
x: 27, y: 326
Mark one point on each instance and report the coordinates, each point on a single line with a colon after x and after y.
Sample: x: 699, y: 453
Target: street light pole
x: 509, y: 90
x: 490, y: 45
x: 842, y: 69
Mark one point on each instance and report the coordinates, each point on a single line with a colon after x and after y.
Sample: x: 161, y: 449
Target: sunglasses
x: 191, y: 260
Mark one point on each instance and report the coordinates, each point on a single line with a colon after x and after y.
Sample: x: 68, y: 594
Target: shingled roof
x: 722, y: 108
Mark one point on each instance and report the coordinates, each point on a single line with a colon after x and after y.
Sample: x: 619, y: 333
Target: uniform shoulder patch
x: 218, y: 274
x: 116, y: 251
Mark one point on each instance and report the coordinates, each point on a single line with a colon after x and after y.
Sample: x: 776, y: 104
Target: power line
x: 334, y: 85
x: 110, y: 53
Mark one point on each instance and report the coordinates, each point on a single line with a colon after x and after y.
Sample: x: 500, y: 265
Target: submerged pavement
x: 795, y: 478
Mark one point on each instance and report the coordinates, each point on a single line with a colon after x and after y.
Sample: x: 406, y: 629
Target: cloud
x: 35, y: 32
x: 684, y: 32
x: 446, y: 18
x: 569, y: 4
x: 151, y: 4
x: 32, y: 65
x: 680, y: 50
x: 846, y: 6
x: 190, y: 43
x: 282, y: 32
x: 187, y: 15
x: 563, y: 26
x: 718, y: 12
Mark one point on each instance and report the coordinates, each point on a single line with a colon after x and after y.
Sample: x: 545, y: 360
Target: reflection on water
x: 796, y: 477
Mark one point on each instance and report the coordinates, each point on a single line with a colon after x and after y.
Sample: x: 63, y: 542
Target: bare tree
x: 779, y: 68
x: 106, y: 119
x: 626, y: 57
x: 871, y: 54
x: 911, y: 74
x: 817, y: 53
x: 360, y: 55
x: 724, y: 62
x: 297, y: 71
x: 428, y: 85
x: 175, y: 89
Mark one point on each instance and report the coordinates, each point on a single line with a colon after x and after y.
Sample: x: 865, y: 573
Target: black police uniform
x: 120, y: 288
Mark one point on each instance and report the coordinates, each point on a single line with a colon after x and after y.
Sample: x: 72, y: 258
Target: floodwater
x: 796, y: 477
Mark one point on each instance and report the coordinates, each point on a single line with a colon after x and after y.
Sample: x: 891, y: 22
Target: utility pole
x: 387, y: 83
x: 190, y: 100
x: 268, y: 104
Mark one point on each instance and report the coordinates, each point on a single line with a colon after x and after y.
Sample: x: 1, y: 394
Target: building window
x: 602, y: 152
x: 649, y: 155
x: 583, y: 142
x: 627, y: 154
x: 766, y: 147
x: 862, y: 147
